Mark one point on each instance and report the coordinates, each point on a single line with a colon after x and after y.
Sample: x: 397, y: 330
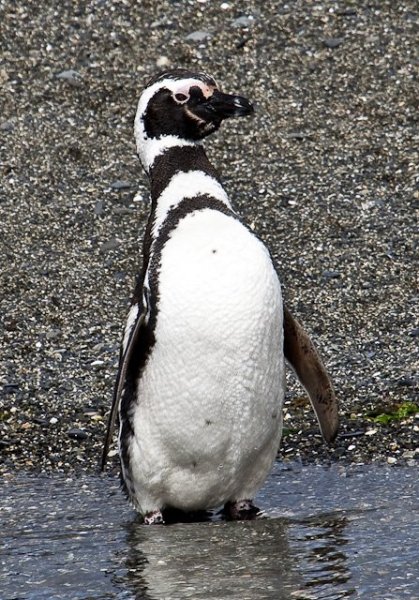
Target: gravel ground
x: 324, y: 172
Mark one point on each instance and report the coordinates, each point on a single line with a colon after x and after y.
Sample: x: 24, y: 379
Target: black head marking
x: 188, y: 105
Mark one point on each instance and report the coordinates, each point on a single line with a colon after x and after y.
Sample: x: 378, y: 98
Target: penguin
x: 200, y: 387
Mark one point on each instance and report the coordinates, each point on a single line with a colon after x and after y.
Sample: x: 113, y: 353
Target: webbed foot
x: 154, y: 517
x: 241, y: 510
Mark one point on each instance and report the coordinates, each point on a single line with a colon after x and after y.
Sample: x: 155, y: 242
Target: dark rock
x: 330, y: 275
x: 351, y: 434
x: 40, y: 421
x: 346, y: 12
x: 406, y: 381
x: 298, y: 135
x: 77, y: 434
x: 10, y: 388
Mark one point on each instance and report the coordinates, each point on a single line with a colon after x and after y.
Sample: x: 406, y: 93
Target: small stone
x: 333, y: 42
x: 408, y: 454
x: 406, y: 381
x: 53, y: 420
x: 414, y: 332
x: 96, y: 417
x: 120, y: 184
x: 198, y: 36
x: 68, y: 74
x: 109, y: 245
x: 245, y: 21
x: 298, y: 135
x: 391, y: 460
x: 162, y: 62
x: 77, y: 434
x: 10, y: 388
x: 98, y: 210
x: 330, y: 275
x: 7, y: 126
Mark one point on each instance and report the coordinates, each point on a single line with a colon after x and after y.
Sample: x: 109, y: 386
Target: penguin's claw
x: 154, y: 517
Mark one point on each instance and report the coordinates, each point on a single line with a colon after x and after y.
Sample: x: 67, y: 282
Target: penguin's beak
x: 229, y: 105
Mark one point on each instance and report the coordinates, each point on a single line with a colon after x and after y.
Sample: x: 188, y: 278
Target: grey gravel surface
x: 324, y: 172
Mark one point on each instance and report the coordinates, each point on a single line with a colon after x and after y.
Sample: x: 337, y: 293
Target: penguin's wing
x: 301, y: 354
x: 132, y: 331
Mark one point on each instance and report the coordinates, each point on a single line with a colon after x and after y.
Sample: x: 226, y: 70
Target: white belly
x: 209, y: 414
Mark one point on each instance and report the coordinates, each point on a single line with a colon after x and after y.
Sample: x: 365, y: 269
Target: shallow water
x: 330, y: 533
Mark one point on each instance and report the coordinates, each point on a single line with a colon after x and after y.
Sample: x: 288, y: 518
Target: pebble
x: 77, y: 434
x: 162, y: 62
x: 198, y: 36
x: 73, y: 78
x: 244, y: 21
x: 98, y: 210
x: 112, y: 244
x: 7, y: 126
x: 68, y: 74
x: 330, y: 275
x: 120, y: 184
x: 333, y: 42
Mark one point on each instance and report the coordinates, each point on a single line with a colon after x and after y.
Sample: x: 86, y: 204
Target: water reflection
x: 326, y: 535
x: 320, y: 543
x: 269, y: 558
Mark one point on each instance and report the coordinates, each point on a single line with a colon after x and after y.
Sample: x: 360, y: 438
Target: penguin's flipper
x: 124, y: 361
x: 301, y: 354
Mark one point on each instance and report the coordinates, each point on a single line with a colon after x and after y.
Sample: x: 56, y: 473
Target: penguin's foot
x: 241, y: 510
x: 154, y: 517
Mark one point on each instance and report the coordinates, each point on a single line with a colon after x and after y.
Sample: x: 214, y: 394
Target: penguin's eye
x: 181, y: 97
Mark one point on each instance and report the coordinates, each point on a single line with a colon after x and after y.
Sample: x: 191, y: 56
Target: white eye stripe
x: 174, y: 86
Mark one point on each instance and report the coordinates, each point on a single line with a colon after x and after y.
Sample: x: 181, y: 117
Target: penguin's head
x: 186, y: 105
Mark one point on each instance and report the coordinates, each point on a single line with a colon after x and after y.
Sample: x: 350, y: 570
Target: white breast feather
x: 208, y: 419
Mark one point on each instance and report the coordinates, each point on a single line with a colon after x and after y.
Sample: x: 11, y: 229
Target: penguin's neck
x: 179, y: 159
x: 180, y: 173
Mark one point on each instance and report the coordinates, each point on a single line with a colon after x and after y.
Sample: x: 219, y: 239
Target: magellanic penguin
x: 201, y: 380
